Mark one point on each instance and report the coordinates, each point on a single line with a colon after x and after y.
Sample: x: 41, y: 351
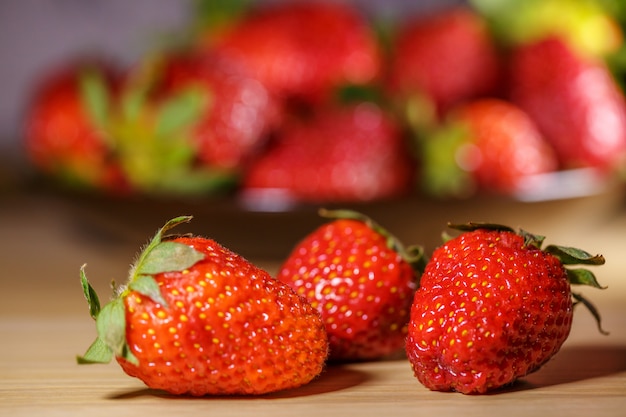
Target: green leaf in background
x: 181, y: 112
x: 213, y: 15
x: 445, y: 173
x: 95, y: 95
x: 588, y: 25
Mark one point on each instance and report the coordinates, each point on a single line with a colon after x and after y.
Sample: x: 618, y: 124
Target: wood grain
x: 44, y: 324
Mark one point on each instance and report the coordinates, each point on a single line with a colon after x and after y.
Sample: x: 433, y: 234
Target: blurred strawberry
x: 441, y: 59
x: 349, y: 153
x: 574, y: 100
x: 240, y: 109
x: 303, y: 50
x: 64, y: 125
x: 487, y: 145
x: 188, y: 122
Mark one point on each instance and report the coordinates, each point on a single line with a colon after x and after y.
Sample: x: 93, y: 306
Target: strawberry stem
x: 413, y: 255
x: 579, y: 299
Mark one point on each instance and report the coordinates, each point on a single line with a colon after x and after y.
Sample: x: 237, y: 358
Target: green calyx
x: 413, y: 255
x: 160, y: 255
x: 568, y: 256
x: 448, y: 160
x: 153, y: 141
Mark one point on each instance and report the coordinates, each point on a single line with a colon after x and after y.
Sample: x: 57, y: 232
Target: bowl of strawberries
x: 283, y: 107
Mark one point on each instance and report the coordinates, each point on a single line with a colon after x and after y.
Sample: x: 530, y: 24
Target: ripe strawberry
x: 442, y: 59
x: 348, y: 153
x: 64, y: 135
x: 575, y: 102
x: 489, y: 145
x: 187, y: 123
x: 196, y: 318
x: 492, y: 306
x: 362, y: 281
x: 302, y: 50
x: 240, y: 109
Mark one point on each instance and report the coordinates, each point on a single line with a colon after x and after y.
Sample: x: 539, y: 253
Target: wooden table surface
x: 44, y: 323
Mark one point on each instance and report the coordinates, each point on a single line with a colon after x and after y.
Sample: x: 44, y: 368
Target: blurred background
x: 415, y: 112
x: 38, y: 34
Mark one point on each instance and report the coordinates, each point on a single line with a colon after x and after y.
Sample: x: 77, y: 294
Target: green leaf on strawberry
x: 574, y: 256
x: 98, y: 352
x: 90, y: 295
x: 158, y: 256
x: 111, y: 326
x: 579, y: 299
x: 199, y: 342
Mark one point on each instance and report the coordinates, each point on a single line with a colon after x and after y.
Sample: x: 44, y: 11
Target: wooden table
x: 44, y: 324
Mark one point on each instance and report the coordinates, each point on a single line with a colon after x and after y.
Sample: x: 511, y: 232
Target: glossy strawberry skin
x: 446, y: 57
x: 60, y: 136
x: 302, y: 50
x: 487, y: 312
x: 228, y: 328
x: 349, y: 153
x: 574, y: 101
x: 362, y: 288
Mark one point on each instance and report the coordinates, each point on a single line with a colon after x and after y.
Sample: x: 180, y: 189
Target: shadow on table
x: 334, y: 378
x: 575, y: 363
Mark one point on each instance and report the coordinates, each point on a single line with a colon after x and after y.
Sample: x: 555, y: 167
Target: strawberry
x: 491, y: 307
x: 486, y: 145
x: 187, y: 123
x: 441, y: 59
x: 574, y: 100
x: 63, y: 133
x: 240, y: 110
x: 353, y: 152
x: 361, y: 280
x: 302, y: 50
x: 196, y: 318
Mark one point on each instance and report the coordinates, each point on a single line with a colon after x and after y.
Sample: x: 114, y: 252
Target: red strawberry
x: 574, y: 101
x: 302, y: 50
x: 492, y: 306
x: 240, y: 109
x: 361, y: 280
x: 187, y: 123
x: 445, y: 57
x: 64, y: 134
x: 196, y: 318
x: 489, y: 145
x: 349, y: 153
